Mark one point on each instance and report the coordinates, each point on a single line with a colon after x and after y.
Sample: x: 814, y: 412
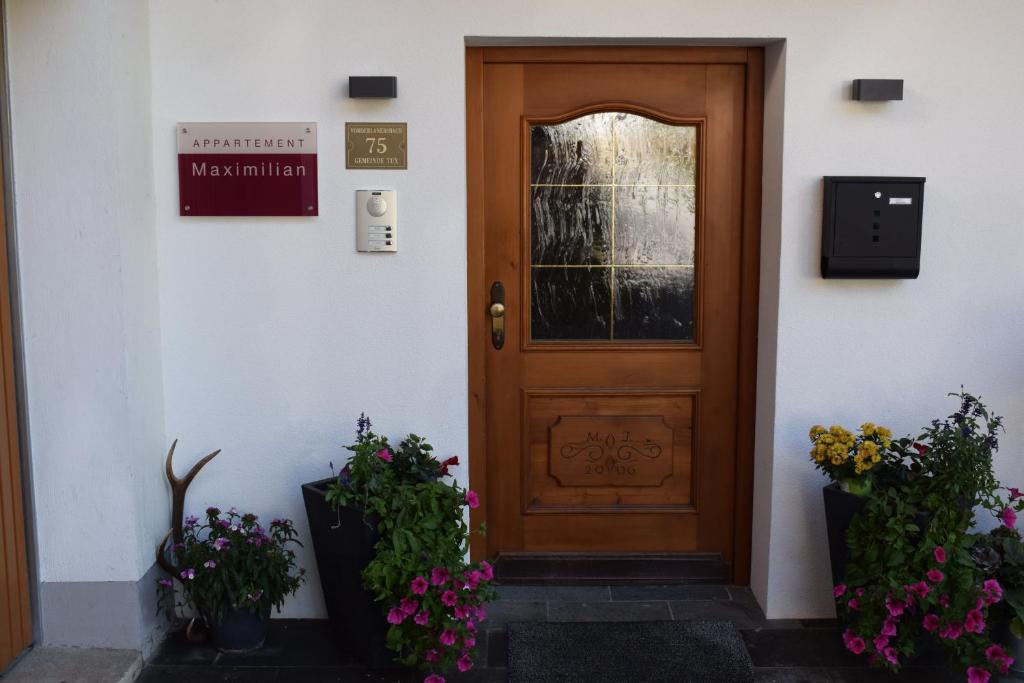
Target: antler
x: 179, y: 487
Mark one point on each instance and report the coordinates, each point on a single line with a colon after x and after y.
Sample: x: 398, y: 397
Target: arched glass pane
x: 613, y: 229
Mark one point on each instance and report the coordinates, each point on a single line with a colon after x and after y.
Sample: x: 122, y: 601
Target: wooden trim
x: 615, y: 55
x: 750, y: 258
x: 476, y: 291
x: 16, y: 617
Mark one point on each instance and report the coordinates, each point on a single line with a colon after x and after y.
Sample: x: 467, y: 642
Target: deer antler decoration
x: 178, y: 489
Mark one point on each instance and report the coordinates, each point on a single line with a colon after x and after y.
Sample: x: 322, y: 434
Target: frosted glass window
x: 613, y: 227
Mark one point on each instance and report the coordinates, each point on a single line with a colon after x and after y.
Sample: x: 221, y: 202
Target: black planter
x: 343, y: 544
x: 240, y: 631
x: 840, y: 509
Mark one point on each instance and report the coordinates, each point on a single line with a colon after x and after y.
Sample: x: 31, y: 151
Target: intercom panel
x: 376, y: 220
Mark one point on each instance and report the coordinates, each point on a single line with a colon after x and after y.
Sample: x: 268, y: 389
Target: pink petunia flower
x: 935, y: 575
x: 920, y: 589
x: 439, y: 576
x: 431, y: 656
x: 434, y: 678
x: 944, y: 601
x: 462, y: 612
x: 385, y: 455
x: 1014, y: 493
x: 469, y: 641
x: 422, y: 619
x: 419, y: 585
x: 974, y: 622
x: 448, y: 598
x: 854, y: 604
x: 891, y: 655
x: 895, y: 607
x: 486, y: 570
x: 409, y: 606
x: 881, y: 642
x: 396, y: 616
x: 940, y: 554
x: 447, y: 637
x: 976, y: 675
x: 951, y: 631
x: 472, y: 499
x: 1009, y: 518
x: 481, y: 613
x: 993, y: 591
x: 998, y: 656
x: 839, y: 591
x: 930, y: 622
x: 855, y: 644
x: 471, y: 627
x: 888, y: 627
x: 464, y: 663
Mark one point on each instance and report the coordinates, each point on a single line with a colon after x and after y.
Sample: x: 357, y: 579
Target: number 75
x: 377, y: 145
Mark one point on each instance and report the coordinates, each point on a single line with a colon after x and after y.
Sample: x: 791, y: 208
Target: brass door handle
x: 497, y: 313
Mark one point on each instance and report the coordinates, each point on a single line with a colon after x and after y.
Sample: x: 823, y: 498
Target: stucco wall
x: 275, y: 333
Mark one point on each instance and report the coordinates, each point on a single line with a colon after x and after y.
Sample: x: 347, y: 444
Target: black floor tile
x: 910, y: 674
x: 565, y: 593
x: 345, y: 675
x: 292, y: 642
x: 798, y: 648
x: 820, y: 623
x: 206, y: 674
x: 609, y: 611
x: 177, y: 651
x: 674, y: 592
x: 497, y: 649
x: 502, y: 612
x: 743, y: 616
x: 790, y: 675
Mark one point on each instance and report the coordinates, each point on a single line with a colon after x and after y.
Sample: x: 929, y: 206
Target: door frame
x: 477, y: 288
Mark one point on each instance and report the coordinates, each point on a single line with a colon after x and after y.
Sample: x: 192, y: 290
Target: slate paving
x: 782, y: 650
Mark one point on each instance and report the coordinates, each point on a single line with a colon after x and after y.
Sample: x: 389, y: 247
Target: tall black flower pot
x: 344, y: 544
x: 840, y: 509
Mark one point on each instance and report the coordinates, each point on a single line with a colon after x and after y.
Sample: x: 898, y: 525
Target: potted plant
x: 906, y: 581
x: 391, y: 520
x: 999, y: 555
x: 232, y: 572
x: 851, y: 462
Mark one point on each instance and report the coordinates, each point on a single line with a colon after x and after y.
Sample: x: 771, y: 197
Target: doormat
x: 648, y: 651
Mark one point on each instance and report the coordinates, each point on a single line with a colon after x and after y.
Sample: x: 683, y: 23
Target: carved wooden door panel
x: 613, y: 221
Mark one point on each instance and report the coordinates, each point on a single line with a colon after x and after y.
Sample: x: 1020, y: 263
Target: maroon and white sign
x: 247, y: 169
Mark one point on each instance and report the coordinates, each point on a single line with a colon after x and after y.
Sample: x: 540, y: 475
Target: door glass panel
x: 613, y: 225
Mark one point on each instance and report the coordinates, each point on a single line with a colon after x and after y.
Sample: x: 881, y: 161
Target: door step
x: 610, y: 568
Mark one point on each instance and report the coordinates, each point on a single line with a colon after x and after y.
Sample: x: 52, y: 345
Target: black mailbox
x: 871, y: 227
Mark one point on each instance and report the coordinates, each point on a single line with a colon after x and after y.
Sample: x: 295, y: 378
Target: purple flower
x: 396, y: 616
x: 422, y: 619
x: 166, y: 583
x: 448, y: 598
x: 465, y: 663
x: 209, y: 564
x: 191, y: 521
x: 221, y: 544
x: 223, y: 523
x: 439, y: 576
x: 188, y: 574
x: 447, y: 637
x: 409, y: 606
x: 1009, y: 517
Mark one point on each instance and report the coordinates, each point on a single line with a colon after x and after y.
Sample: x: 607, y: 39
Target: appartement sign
x: 247, y: 169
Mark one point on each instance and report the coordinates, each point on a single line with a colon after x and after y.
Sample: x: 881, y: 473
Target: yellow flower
x: 868, y: 428
x: 836, y: 430
x: 876, y: 458
x: 883, y: 432
x: 816, y: 431
x: 867, y: 449
x: 838, y: 460
x: 827, y: 439
x: 818, y: 453
x: 837, y: 450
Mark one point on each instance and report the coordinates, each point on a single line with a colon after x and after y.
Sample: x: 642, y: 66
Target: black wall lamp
x: 878, y: 89
x: 373, y: 86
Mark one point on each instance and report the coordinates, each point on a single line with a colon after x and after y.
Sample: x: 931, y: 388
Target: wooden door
x: 612, y: 217
x: 15, y: 612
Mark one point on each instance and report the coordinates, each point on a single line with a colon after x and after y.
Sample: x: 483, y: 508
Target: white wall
x: 80, y: 92
x: 276, y: 334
